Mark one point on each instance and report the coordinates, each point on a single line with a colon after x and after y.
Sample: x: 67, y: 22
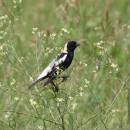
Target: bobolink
x: 59, y: 64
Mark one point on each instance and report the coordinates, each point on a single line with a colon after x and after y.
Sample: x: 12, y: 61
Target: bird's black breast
x: 64, y: 65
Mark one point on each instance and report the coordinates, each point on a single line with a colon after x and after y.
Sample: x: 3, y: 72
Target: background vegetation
x: 96, y: 95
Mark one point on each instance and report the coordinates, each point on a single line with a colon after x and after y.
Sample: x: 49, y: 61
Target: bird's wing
x: 47, y: 70
x: 57, y: 61
x: 61, y: 58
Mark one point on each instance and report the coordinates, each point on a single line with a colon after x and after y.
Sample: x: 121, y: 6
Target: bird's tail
x: 32, y: 85
x: 49, y: 80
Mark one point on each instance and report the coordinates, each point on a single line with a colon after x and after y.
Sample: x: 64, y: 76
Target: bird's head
x: 70, y: 46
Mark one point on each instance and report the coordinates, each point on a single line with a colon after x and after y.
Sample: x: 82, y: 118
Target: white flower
x: 5, y: 17
x: 1, y: 48
x: 60, y: 99
x: 56, y: 48
x: 101, y: 41
x: 39, y: 34
x: 99, y: 45
x: 71, y: 98
x: 40, y: 127
x: 50, y: 51
x: 101, y: 52
x: 31, y: 79
x: 44, y: 35
x: 14, y: 1
x: 9, y: 21
x: 81, y: 94
x: 22, y: 58
x: 117, y: 69
x: 34, y: 29
x: 94, y: 71
x: 85, y: 64
x: 16, y: 98
x: 64, y: 30
x: 20, y: 1
x: 74, y: 105
x: 47, y: 48
x: 6, y: 116
x: 33, y: 103
x: 96, y: 67
x: 52, y: 35
x: 113, y: 110
x: 86, y: 86
x: 15, y: 6
x: 113, y: 65
x: 13, y: 82
x: 31, y: 100
x: 86, y: 81
x: 80, y: 88
x: 33, y: 32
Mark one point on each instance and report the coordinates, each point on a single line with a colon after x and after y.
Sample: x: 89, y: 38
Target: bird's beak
x: 77, y: 44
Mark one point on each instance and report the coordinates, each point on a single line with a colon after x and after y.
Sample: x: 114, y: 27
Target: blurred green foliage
x: 96, y: 96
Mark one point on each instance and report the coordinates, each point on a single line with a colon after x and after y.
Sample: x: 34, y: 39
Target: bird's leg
x: 56, y: 89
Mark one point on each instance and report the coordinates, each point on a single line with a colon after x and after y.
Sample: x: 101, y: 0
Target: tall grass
x: 96, y: 93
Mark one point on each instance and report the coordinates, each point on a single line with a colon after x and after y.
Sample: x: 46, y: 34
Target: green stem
x: 128, y: 105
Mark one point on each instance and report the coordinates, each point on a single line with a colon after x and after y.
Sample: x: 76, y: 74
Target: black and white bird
x: 58, y: 65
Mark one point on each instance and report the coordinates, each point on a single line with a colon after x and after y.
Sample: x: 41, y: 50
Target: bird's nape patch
x: 65, y: 48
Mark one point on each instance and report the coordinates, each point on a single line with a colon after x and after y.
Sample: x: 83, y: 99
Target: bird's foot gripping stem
x: 55, y: 86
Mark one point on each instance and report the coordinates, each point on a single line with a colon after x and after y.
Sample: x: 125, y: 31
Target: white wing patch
x: 53, y: 64
x: 60, y: 60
